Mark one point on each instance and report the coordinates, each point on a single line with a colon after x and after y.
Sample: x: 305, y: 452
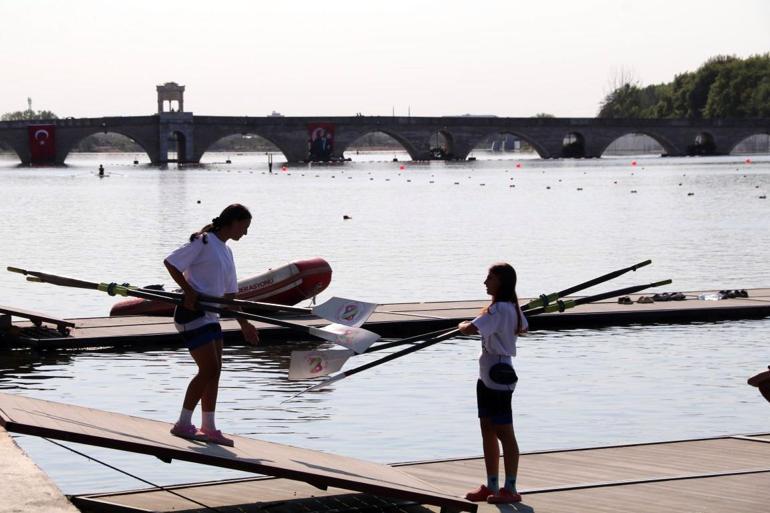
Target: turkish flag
x: 42, y: 143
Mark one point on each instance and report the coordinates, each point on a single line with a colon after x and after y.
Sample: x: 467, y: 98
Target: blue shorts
x: 494, y: 404
x: 199, y: 337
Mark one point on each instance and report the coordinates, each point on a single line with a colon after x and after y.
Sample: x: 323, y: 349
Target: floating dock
x: 726, y: 474
x: 389, y: 320
x: 722, y: 474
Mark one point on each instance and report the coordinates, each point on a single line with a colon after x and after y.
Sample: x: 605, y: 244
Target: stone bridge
x: 549, y: 137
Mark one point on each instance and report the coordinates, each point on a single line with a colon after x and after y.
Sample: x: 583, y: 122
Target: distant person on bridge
x: 205, y: 265
x: 499, y: 325
x: 762, y: 382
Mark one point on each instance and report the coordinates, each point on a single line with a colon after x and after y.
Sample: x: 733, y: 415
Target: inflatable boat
x: 285, y: 285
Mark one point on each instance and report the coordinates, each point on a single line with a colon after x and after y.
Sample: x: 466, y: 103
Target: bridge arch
x: 6, y: 143
x: 667, y: 145
x: 344, y: 139
x: 634, y: 143
x: 64, y: 146
x: 758, y: 142
x: 522, y: 136
x: 204, y: 143
x: 244, y: 142
x: 384, y: 137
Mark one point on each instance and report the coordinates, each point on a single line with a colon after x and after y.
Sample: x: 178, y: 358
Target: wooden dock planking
x: 402, y: 319
x: 122, y: 432
x: 724, y: 474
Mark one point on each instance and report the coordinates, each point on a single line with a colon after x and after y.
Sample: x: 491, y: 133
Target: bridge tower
x: 176, y: 126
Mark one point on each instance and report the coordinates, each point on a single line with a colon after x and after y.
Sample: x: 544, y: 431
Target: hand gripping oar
x: 356, y: 339
x: 560, y: 306
x: 545, y: 300
x: 322, y: 362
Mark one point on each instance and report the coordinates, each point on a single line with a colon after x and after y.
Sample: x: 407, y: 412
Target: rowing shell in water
x: 285, y: 285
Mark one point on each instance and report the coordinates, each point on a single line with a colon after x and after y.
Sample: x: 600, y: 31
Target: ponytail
x: 231, y: 213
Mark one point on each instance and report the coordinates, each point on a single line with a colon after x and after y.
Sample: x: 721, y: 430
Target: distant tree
x: 28, y: 115
x: 724, y: 86
x: 543, y: 115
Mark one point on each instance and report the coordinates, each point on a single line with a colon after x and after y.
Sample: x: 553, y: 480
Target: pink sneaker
x: 480, y: 494
x: 216, y: 437
x: 188, y: 432
x: 504, y: 496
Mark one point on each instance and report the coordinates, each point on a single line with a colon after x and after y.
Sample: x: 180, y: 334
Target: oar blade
x: 317, y: 364
x: 349, y: 312
x: 357, y: 340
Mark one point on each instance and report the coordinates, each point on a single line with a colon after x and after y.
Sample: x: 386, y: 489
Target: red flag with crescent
x: 42, y: 143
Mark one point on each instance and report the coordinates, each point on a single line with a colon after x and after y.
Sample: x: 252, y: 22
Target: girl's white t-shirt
x: 498, y: 328
x: 208, y: 268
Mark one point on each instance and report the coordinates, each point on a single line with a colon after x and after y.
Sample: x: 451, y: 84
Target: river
x: 418, y: 232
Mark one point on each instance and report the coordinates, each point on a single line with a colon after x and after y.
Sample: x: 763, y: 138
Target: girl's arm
x: 190, y: 294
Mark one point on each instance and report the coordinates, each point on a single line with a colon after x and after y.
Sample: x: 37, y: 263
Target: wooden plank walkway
x: 723, y: 474
x: 36, y: 417
x: 393, y: 320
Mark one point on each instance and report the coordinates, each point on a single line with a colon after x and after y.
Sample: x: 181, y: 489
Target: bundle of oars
x: 347, y: 317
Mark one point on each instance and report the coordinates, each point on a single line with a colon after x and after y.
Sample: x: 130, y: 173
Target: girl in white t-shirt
x: 499, y: 324
x: 205, y: 266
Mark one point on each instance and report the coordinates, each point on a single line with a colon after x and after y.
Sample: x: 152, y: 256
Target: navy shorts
x: 494, y: 404
x: 199, y: 337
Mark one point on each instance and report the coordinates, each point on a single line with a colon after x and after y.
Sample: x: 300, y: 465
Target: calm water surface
x: 424, y: 232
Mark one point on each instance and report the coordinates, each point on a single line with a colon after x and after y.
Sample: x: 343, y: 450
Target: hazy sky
x: 245, y: 57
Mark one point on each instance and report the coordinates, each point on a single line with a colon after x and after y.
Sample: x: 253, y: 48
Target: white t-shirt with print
x: 209, y: 268
x: 498, y: 328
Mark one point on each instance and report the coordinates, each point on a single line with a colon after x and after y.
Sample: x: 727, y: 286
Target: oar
x: 342, y: 375
x: 544, y: 299
x: 349, y: 312
x: 560, y: 306
x: 356, y: 339
x: 322, y: 362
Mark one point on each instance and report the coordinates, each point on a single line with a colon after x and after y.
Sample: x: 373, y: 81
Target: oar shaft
x: 403, y: 341
x: 129, y: 291
x: 403, y: 352
x: 272, y: 307
x: 561, y: 305
x: 546, y: 299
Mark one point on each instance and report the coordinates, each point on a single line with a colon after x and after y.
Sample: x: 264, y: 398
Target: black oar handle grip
x: 640, y: 264
x: 16, y: 270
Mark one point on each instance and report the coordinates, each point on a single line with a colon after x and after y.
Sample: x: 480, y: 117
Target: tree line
x: 723, y: 87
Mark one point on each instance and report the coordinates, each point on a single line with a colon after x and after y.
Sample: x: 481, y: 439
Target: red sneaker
x: 480, y: 494
x: 188, y: 432
x: 504, y: 496
x: 216, y: 437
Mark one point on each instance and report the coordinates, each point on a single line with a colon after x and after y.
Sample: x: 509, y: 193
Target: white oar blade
x: 355, y: 339
x: 317, y: 364
x: 345, y: 311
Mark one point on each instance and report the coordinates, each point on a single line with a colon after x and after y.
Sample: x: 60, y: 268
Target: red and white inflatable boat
x: 285, y: 285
